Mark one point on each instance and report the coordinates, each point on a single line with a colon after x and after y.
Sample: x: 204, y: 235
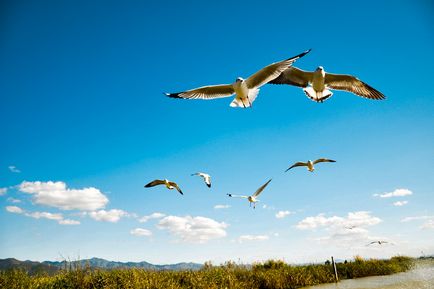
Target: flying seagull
x: 246, y: 90
x: 309, y: 164
x: 378, y: 242
x: 206, y: 178
x: 321, y: 82
x: 170, y: 185
x: 252, y: 198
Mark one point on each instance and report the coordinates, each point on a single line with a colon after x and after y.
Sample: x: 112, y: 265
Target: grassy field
x: 271, y: 274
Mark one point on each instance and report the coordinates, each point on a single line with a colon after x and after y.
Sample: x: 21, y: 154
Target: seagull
x: 350, y: 227
x: 377, y: 242
x: 170, y: 185
x: 246, y: 90
x: 309, y: 164
x: 321, y: 82
x: 206, y: 178
x: 252, y: 198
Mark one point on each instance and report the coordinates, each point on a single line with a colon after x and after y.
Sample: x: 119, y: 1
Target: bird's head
x: 320, y: 68
x: 239, y: 79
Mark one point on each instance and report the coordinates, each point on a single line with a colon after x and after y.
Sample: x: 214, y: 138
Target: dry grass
x: 270, y: 274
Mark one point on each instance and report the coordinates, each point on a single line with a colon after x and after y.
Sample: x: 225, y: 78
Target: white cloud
x: 112, y: 216
x: 400, y: 203
x: 69, y: 222
x: 14, y: 209
x: 395, y: 193
x: 416, y: 218
x: 360, y: 218
x: 42, y: 215
x: 155, y: 215
x: 428, y: 224
x: 45, y: 215
x: 3, y: 191
x: 13, y: 200
x: 283, y: 214
x: 217, y: 207
x: 245, y: 238
x: 56, y: 194
x: 141, y: 232
x: 193, y: 229
x: 342, y: 231
x: 14, y: 169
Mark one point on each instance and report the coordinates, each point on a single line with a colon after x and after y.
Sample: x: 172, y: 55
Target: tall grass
x: 270, y: 274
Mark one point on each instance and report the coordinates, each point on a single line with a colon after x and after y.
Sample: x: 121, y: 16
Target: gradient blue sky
x: 81, y: 87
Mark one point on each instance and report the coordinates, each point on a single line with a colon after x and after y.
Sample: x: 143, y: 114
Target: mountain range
x: 34, y: 267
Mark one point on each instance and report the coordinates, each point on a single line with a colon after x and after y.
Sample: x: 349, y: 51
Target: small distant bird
x: 252, y: 198
x: 378, y: 242
x: 206, y: 178
x: 321, y: 82
x: 309, y: 164
x: 350, y: 227
x: 246, y: 90
x: 170, y: 185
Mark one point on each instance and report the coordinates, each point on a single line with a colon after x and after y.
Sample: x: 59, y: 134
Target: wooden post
x: 335, y: 270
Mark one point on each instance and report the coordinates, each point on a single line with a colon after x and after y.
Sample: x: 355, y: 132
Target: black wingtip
x: 230, y: 195
x: 209, y: 185
x: 172, y: 95
x: 304, y: 53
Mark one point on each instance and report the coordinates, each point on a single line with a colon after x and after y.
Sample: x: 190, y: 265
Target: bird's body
x: 316, y: 84
x: 310, y: 164
x: 378, y: 242
x: 206, y: 178
x: 245, y: 90
x: 253, y: 198
x: 170, y: 185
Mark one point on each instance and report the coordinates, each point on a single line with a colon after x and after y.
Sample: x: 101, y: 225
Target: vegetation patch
x: 274, y: 274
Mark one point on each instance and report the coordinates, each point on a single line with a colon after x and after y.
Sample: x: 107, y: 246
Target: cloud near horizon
x: 56, y: 194
x: 112, y: 216
x: 342, y: 231
x: 359, y: 219
x: 156, y: 215
x: 395, y: 193
x: 283, y: 214
x: 219, y: 207
x: 141, y: 232
x: 400, y: 203
x: 247, y: 238
x: 193, y: 229
x: 42, y: 215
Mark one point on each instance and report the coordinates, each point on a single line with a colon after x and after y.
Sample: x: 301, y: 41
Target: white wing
x: 352, y: 84
x: 206, y: 178
x: 238, y: 196
x: 271, y: 71
x: 205, y: 92
x: 294, y: 76
x: 258, y: 191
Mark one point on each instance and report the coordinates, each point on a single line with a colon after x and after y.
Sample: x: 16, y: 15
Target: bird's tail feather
x: 238, y: 102
x: 318, y: 96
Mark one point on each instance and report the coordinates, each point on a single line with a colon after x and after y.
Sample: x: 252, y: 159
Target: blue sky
x: 82, y: 107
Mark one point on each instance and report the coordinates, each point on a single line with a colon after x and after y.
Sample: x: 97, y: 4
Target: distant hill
x: 29, y: 266
x: 50, y: 267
